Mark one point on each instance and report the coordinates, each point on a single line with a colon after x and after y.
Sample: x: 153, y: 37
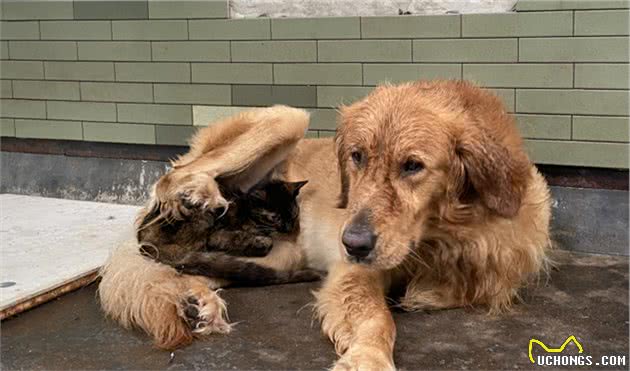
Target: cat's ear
x: 294, y: 187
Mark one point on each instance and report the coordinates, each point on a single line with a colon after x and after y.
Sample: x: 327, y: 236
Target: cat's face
x: 275, y: 206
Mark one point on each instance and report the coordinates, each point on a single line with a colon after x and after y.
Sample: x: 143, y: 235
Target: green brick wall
x: 155, y: 71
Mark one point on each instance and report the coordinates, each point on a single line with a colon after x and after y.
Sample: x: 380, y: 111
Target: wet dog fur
x: 435, y: 173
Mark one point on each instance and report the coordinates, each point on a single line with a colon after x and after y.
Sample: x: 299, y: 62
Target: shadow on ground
x: 587, y: 296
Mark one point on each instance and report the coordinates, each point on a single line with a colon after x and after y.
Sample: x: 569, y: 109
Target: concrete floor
x: 586, y: 296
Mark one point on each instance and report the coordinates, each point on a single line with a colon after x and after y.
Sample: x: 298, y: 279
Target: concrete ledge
x: 78, y: 178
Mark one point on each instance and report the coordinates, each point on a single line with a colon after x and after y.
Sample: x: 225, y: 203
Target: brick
x: 506, y: 96
x: 49, y: 129
x: 207, y: 115
x: 600, y: 75
x: 318, y: 74
x: 195, y: 93
x: 6, y: 89
x: 517, y: 24
x: 7, y: 128
x: 188, y: 9
x: 193, y: 51
x: 544, y: 126
x: 316, y: 28
x: 536, y: 5
x: 267, y: 95
x: 231, y: 29
x: 19, y: 9
x: 55, y: 50
x: 598, y: 128
x: 311, y: 134
x: 274, y: 51
x: 4, y: 50
x: 602, y: 22
x: 576, y: 49
x: 150, y: 30
x: 153, y: 72
x: 520, y: 75
x: 82, y: 111
x: 116, y: 92
x: 19, y: 30
x: 118, y: 133
x: 334, y: 96
x: 115, y: 51
x: 465, y: 50
x: 364, y: 51
x: 374, y: 74
x: 168, y: 114
x: 94, y: 71
x: 174, y: 135
x: 606, y: 102
x: 322, y: 118
x: 228, y: 73
x: 327, y: 134
x: 108, y: 9
x: 22, y: 108
x: 593, y: 154
x: 54, y: 90
x: 76, y: 30
x: 433, y: 26
x: 22, y: 69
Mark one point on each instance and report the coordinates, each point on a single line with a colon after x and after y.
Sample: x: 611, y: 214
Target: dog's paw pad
x: 205, y: 316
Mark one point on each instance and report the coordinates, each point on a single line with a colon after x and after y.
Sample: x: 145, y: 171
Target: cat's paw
x: 260, y: 246
x: 306, y: 275
x: 205, y: 314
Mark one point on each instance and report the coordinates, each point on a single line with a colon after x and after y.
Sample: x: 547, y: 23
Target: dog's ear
x: 498, y: 174
x: 343, y: 171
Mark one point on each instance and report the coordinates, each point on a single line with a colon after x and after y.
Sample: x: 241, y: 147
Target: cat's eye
x: 357, y: 158
x: 411, y: 167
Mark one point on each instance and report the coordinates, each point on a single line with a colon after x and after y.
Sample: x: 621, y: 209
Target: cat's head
x: 274, y: 205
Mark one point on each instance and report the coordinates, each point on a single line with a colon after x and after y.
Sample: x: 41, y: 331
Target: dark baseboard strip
x: 565, y: 176
x: 585, y: 177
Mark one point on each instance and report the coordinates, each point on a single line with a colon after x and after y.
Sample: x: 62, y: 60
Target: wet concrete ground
x: 586, y: 296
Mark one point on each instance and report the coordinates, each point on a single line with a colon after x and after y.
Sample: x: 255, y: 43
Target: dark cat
x: 209, y: 243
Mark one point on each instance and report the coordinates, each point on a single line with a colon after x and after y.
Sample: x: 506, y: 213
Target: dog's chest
x: 319, y: 237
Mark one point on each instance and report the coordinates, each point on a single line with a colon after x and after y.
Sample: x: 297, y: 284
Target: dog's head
x: 425, y: 154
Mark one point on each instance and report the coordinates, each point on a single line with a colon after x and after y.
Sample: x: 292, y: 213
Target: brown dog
x: 427, y: 188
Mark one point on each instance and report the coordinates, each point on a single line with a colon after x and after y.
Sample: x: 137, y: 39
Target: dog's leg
x: 172, y: 308
x: 241, y: 150
x: 355, y: 316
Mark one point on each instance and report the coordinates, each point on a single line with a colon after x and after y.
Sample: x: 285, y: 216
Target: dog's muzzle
x: 359, y: 238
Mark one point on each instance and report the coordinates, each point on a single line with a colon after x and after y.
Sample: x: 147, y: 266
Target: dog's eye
x: 411, y: 167
x: 357, y: 157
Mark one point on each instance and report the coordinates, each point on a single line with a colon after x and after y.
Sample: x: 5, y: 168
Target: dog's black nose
x: 358, y: 237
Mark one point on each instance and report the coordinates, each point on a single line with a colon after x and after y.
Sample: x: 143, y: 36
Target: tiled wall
x: 136, y: 71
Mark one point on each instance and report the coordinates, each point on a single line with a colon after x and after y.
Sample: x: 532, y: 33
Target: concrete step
x: 48, y: 244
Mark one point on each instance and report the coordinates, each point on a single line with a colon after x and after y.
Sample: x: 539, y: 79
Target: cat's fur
x: 209, y: 243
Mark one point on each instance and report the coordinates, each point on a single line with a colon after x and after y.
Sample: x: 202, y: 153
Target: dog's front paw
x: 201, y: 190
x: 178, y: 195
x: 204, y: 313
x: 364, y: 359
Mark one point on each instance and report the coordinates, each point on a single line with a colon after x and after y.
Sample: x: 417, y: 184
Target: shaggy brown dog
x: 438, y: 198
